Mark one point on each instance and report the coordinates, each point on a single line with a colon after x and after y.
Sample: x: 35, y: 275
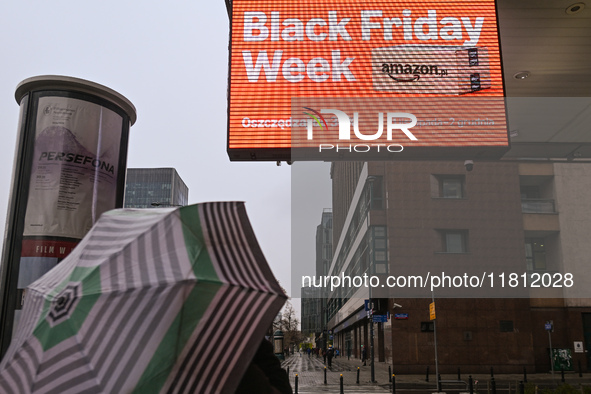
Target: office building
x: 531, y: 218
x: 313, y: 315
x: 154, y: 187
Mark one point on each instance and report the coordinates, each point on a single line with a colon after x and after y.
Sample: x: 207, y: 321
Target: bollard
x: 325, y: 375
x: 521, y: 387
x: 492, y: 373
x: 357, y: 375
x: 580, y: 370
x: 296, y: 384
x: 524, y: 375
x: 562, y: 374
x: 342, y: 390
x: 393, y: 383
x: 439, y: 383
x: 459, y: 374
x: 427, y: 375
x: 389, y: 373
x: 470, y: 385
x: 493, y: 386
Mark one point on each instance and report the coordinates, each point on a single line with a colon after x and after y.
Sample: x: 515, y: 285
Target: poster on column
x: 75, y: 167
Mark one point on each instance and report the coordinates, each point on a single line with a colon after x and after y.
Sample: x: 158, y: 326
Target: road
x: 310, y: 376
x: 310, y: 379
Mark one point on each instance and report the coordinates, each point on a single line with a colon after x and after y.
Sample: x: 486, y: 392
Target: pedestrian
x: 364, y: 355
x: 264, y: 374
x: 309, y: 352
x: 329, y: 355
x: 324, y: 355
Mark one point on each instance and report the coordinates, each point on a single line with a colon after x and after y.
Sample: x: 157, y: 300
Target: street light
x: 370, y: 180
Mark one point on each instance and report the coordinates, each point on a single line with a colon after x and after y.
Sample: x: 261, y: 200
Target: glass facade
x: 154, y: 187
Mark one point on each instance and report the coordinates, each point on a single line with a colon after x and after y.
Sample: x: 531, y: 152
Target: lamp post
x: 371, y: 354
x: 369, y: 180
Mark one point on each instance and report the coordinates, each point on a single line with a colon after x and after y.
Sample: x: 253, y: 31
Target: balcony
x: 536, y: 205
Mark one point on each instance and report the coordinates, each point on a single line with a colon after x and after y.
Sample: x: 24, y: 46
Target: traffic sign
x: 432, y: 311
x: 380, y: 318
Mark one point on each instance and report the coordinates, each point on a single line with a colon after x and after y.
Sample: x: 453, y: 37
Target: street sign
x: 380, y: 318
x: 367, y: 308
x: 401, y: 316
x: 579, y: 347
x: 548, y: 326
x: 432, y: 311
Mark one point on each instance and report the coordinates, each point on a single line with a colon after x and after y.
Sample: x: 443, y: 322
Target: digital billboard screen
x: 323, y: 79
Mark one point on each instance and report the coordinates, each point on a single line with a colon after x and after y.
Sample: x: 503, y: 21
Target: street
x: 310, y: 379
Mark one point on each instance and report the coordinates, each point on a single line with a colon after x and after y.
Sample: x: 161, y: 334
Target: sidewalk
x: 311, y: 378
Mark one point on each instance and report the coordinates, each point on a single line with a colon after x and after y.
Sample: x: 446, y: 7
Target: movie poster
x: 75, y: 167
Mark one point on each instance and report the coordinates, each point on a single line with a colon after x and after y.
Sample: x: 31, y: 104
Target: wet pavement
x: 310, y: 378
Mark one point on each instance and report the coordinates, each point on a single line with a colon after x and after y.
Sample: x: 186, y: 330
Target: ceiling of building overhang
x: 550, y: 111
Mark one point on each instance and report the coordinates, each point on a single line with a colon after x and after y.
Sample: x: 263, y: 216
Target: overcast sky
x: 170, y: 59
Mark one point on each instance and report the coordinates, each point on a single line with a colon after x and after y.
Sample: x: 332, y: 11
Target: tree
x: 290, y: 325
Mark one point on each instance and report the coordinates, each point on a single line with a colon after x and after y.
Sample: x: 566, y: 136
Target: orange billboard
x: 292, y: 63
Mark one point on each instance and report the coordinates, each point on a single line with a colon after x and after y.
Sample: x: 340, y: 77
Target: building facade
x: 313, y: 300
x: 400, y: 218
x: 154, y: 187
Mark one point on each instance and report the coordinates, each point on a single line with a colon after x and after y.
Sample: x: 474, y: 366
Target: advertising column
x: 69, y: 168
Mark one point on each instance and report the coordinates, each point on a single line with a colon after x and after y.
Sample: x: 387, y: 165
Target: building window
x: 449, y: 186
x: 454, y: 241
x: 427, y: 326
x: 506, y: 325
x: 379, y: 250
x: 375, y: 190
x: 530, y: 192
x: 535, y: 254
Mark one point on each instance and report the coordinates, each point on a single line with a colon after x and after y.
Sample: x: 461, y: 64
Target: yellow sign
x: 432, y: 311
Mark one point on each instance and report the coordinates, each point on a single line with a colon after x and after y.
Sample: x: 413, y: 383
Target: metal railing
x: 531, y: 205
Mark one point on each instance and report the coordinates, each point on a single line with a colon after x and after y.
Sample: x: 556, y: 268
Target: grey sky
x: 170, y: 59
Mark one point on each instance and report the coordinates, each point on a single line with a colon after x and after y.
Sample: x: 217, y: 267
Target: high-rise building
x: 313, y: 315
x: 154, y: 187
x: 527, y: 218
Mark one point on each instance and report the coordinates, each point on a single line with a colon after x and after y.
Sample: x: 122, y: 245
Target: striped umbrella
x: 170, y: 300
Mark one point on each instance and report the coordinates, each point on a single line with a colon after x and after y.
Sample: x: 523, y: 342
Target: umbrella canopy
x: 169, y: 300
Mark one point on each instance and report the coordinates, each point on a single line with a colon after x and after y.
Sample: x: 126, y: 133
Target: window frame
x: 444, y: 241
x: 442, y: 179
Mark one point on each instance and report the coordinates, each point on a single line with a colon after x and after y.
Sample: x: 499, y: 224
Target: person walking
x: 329, y: 355
x: 364, y: 355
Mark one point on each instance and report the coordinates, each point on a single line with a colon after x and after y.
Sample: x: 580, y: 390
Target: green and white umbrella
x: 151, y: 301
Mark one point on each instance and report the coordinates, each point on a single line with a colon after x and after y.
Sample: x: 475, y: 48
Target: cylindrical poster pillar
x: 69, y: 168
